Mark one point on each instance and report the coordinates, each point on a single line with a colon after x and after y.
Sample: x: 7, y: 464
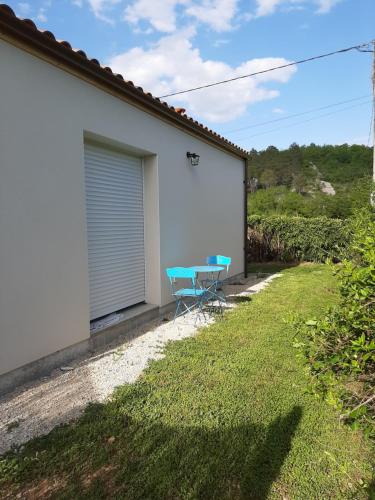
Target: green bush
x: 279, y: 237
x: 340, y: 347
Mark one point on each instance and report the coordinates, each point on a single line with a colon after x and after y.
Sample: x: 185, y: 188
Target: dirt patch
x: 104, y: 474
x: 43, y: 489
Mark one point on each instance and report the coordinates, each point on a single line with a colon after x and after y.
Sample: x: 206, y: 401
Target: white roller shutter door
x: 115, y: 228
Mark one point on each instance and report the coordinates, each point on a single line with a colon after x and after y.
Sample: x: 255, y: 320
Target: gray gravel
x: 36, y: 408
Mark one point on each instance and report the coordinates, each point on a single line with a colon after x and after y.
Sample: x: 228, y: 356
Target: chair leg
x: 201, y: 306
x: 183, y: 307
x: 199, y: 310
x: 177, y: 310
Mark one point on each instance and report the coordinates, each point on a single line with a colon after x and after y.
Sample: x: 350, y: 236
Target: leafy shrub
x: 279, y: 237
x: 340, y: 348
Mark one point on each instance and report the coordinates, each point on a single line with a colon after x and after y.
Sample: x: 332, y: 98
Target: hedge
x: 340, y: 346
x: 285, y: 238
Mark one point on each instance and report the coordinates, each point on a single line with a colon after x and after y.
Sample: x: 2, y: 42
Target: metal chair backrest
x: 219, y: 260
x: 176, y: 273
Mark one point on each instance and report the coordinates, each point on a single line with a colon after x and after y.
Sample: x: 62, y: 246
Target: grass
x: 225, y: 415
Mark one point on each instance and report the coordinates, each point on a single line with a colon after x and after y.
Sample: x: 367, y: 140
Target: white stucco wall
x: 190, y: 213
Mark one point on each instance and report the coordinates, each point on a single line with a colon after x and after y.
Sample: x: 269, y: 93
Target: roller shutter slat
x: 115, y: 229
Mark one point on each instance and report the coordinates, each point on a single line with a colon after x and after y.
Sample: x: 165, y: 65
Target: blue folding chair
x: 217, y: 284
x: 195, y: 295
x: 219, y: 260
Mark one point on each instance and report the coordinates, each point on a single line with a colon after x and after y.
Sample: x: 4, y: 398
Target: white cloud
x: 220, y: 42
x: 100, y: 8
x: 218, y: 14
x: 278, y: 111
x: 166, y: 15
x: 293, y: 7
x: 268, y: 7
x: 24, y: 8
x: 325, y: 6
x: 41, y: 16
x: 28, y: 9
x: 160, y: 14
x: 173, y: 64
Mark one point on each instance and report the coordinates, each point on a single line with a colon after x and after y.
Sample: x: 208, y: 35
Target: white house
x: 97, y: 198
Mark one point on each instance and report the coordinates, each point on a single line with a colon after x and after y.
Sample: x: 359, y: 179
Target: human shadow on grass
x: 146, y: 459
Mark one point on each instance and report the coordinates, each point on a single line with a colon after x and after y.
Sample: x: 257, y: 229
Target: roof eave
x: 44, y: 43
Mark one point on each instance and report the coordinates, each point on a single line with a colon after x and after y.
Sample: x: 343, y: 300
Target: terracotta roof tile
x: 50, y: 35
x: 10, y: 22
x: 66, y: 44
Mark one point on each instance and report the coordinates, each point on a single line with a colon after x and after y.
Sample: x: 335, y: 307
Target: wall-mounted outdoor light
x: 194, y: 158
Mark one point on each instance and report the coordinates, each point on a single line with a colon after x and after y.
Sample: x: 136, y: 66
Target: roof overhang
x: 43, y: 44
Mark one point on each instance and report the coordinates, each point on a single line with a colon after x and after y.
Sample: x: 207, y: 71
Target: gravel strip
x: 36, y: 408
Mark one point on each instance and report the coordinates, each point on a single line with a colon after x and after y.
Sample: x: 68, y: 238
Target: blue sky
x: 171, y: 45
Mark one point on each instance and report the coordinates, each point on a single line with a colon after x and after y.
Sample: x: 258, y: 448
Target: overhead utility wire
x: 259, y: 124
x: 321, y: 56
x: 309, y: 120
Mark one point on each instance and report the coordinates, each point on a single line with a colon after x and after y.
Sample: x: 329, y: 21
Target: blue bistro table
x: 207, y: 269
x: 210, y: 270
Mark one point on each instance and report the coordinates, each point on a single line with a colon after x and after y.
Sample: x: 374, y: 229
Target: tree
x: 299, y: 183
x: 268, y: 178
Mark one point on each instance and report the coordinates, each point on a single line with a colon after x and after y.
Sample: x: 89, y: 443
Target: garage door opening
x: 115, y: 230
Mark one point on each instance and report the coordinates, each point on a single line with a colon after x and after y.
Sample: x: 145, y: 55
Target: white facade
x: 46, y: 116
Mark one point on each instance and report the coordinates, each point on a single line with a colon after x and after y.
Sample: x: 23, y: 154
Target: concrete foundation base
x: 132, y: 318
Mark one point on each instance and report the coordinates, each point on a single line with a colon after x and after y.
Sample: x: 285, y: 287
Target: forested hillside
x: 296, y: 181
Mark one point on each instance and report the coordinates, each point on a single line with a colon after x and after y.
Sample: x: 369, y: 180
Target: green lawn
x: 224, y: 415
